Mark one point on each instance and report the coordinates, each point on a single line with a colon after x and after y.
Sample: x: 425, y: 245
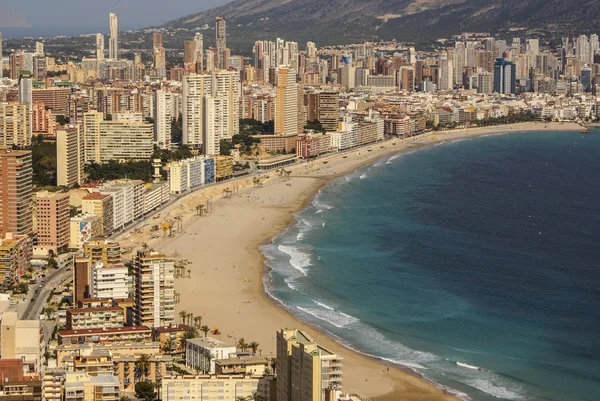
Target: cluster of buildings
x: 115, y: 108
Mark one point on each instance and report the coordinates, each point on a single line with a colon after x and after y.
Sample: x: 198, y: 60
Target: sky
x: 72, y: 17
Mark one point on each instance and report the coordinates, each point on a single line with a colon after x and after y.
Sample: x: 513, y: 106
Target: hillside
x: 343, y: 21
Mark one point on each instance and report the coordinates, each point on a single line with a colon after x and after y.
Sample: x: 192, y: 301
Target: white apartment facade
x: 198, y: 348
x: 109, y: 281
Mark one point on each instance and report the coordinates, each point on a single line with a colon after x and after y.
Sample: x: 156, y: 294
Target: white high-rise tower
x: 113, y: 41
x: 99, y: 46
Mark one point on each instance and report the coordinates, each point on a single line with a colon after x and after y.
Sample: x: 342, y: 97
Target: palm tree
x: 198, y: 321
x: 168, y: 346
x: 253, y: 346
x: 241, y: 344
x: 273, y: 364
x: 182, y: 315
x: 205, y: 330
x: 190, y: 316
x: 189, y: 273
x: 143, y: 365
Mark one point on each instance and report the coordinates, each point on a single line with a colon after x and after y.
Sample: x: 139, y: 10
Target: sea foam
x: 338, y: 319
x: 299, y: 260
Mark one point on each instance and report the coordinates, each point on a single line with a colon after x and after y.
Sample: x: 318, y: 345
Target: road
x: 36, y: 302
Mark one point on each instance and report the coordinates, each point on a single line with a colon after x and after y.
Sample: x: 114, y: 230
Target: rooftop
x: 114, y: 330
x: 209, y: 343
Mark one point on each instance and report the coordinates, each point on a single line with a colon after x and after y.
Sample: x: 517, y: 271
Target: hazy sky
x: 79, y: 14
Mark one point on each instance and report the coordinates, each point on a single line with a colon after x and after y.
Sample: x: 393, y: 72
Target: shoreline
x: 220, y: 293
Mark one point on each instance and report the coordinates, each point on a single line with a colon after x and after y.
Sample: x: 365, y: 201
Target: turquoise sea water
x: 474, y: 262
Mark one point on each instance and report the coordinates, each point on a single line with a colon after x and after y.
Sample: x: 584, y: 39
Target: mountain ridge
x: 343, y: 21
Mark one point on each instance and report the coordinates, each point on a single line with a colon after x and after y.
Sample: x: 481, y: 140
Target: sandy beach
x: 225, y: 285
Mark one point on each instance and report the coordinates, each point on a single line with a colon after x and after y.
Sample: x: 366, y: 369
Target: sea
x: 474, y: 262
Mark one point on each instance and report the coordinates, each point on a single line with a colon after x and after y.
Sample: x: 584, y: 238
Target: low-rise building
x: 198, y: 348
x: 105, y: 336
x: 252, y: 365
x: 173, y: 332
x: 107, y: 251
x: 155, y: 195
x: 92, y: 318
x: 215, y: 388
x: 223, y: 167
x: 83, y: 387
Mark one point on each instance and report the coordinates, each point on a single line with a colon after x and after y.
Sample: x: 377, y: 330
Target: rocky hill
x: 343, y: 21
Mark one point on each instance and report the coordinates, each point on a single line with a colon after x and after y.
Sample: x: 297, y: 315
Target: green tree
x: 205, y: 330
x: 168, y: 346
x: 145, y: 391
x: 242, y: 345
x: 142, y: 365
x: 253, y: 346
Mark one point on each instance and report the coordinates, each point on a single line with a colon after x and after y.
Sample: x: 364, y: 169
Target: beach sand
x: 225, y: 285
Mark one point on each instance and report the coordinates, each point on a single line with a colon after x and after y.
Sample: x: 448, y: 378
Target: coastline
x: 228, y: 269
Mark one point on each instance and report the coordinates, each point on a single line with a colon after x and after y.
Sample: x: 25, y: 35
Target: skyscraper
x: 163, y: 114
x: 99, y: 46
x: 70, y: 157
x: 585, y: 78
x: 210, y: 109
x: 157, y: 39
x: 199, y: 39
x: 504, y: 76
x: 15, y: 125
x: 533, y: 46
x: 113, y: 40
x: 25, y: 91
x: 286, y: 102
x: 15, y: 192
x: 221, y: 40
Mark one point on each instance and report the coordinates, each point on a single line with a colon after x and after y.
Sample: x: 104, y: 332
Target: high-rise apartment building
x: 164, y: 112
x: 70, y: 157
x: 328, y: 110
x: 15, y: 125
x: 504, y: 76
x: 306, y: 371
x: 221, y: 41
x: 199, y: 57
x: 25, y: 91
x: 217, y: 94
x: 286, y: 102
x: 157, y: 39
x: 113, y: 40
x: 53, y: 222
x: 99, y: 46
x: 116, y: 139
x: 154, y: 289
x: 15, y: 192
x: 485, y: 83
